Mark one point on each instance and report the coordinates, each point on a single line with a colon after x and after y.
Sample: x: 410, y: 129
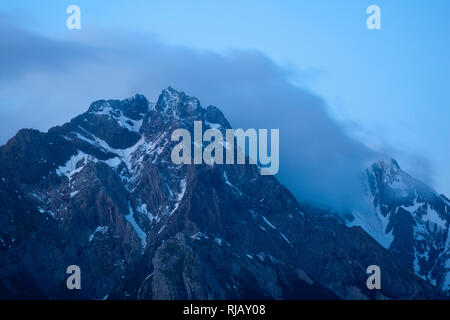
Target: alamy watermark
x: 74, y: 280
x: 374, y: 20
x: 74, y: 20
x: 374, y: 280
x: 256, y: 150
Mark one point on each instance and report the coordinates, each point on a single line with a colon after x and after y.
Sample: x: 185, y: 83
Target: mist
x: 45, y: 82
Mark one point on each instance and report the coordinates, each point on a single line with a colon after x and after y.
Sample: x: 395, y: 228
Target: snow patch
x: 140, y: 233
x: 119, y: 117
x: 375, y: 224
x: 213, y: 125
x: 230, y: 184
x: 433, y: 217
x: 261, y: 256
x: 199, y: 236
x: 113, y: 162
x: 99, y: 229
x: 180, y: 195
x: 268, y: 223
x: 284, y: 237
x: 73, y: 166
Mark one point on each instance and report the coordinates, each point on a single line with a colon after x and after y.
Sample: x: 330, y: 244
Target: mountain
x: 411, y: 220
x: 101, y: 192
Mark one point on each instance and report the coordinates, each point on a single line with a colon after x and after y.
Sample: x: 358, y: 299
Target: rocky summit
x: 409, y: 219
x: 102, y: 193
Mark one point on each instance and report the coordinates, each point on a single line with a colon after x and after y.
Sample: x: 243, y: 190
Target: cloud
x: 49, y: 81
x: 22, y: 52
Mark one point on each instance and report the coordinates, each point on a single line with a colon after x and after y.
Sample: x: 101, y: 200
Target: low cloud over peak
x: 46, y: 82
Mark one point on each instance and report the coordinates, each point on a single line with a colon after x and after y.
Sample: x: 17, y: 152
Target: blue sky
x: 388, y: 88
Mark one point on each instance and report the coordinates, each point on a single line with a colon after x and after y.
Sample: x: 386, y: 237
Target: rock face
x: 101, y: 192
x: 411, y: 220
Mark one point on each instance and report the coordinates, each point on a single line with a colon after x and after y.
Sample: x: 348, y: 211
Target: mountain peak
x: 388, y: 168
x: 388, y: 164
x: 133, y: 107
x: 173, y: 102
x: 411, y: 220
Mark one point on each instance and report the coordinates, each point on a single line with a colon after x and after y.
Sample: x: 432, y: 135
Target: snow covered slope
x: 410, y: 219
